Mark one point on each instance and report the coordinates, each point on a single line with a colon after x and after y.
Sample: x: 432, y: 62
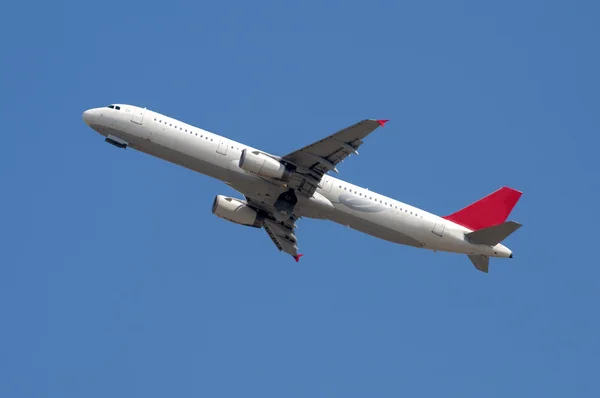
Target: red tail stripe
x: 491, y: 210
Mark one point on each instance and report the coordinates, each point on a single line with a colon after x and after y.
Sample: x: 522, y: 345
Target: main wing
x: 281, y: 233
x: 324, y: 155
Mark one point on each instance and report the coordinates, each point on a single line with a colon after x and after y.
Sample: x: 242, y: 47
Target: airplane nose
x: 87, y: 117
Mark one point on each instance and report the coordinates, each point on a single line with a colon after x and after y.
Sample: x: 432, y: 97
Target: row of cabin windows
x: 381, y: 201
x: 186, y: 130
x: 182, y: 129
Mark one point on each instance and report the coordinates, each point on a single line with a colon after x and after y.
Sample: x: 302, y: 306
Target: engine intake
x: 236, y: 211
x: 264, y: 166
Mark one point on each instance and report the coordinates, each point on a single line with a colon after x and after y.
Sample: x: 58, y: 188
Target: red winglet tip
x: 382, y: 122
x: 297, y: 258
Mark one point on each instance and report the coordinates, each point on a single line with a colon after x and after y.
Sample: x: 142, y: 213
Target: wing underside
x: 323, y: 156
x: 282, y: 235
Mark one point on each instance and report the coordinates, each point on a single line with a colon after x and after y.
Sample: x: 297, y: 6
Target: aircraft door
x: 137, y: 116
x: 222, y: 148
x: 438, y: 229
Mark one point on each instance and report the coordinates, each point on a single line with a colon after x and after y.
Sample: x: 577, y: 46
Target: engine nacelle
x: 263, y: 166
x: 237, y: 211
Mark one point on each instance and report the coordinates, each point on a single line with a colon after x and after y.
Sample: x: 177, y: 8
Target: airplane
x: 280, y: 190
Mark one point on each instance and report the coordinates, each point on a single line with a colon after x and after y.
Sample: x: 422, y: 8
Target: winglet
x: 382, y: 122
x: 297, y: 258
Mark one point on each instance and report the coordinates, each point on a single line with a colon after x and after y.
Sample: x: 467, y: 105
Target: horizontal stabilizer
x: 482, y: 263
x: 493, y: 235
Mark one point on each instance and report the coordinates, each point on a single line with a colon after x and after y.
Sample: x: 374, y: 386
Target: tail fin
x: 493, y: 235
x: 491, y: 210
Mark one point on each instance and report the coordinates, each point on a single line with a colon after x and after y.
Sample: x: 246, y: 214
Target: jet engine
x: 237, y: 211
x: 264, y: 166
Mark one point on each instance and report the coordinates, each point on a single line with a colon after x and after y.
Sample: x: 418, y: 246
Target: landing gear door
x: 137, y: 116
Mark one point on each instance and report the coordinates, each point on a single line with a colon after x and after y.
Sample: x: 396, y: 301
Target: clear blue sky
x: 116, y: 280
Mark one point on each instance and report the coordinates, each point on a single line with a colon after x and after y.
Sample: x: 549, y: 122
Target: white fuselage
x: 218, y: 157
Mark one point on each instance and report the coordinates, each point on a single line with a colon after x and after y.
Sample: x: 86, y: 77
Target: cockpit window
x: 111, y: 106
x: 117, y: 107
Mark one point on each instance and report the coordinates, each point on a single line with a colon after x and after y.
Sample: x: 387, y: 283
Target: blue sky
x: 117, y: 280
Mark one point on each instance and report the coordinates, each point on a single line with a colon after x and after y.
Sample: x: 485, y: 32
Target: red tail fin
x: 488, y: 211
